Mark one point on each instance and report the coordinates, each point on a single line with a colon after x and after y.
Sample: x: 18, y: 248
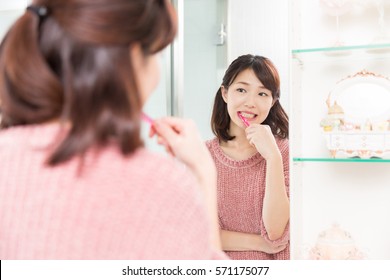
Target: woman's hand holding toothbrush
x: 181, y: 138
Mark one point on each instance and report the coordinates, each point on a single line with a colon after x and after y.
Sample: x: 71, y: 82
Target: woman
x: 76, y: 181
x: 251, y: 153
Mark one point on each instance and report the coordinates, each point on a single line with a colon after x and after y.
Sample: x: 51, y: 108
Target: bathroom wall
x: 204, y: 59
x: 261, y: 27
x: 9, y: 12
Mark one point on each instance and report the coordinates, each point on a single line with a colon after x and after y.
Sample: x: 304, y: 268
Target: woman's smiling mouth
x: 247, y: 115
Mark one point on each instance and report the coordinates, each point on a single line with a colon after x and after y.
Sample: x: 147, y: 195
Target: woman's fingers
x: 152, y: 131
x: 182, y: 139
x: 166, y: 132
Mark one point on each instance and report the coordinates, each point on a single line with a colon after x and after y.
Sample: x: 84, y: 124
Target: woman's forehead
x: 248, y: 77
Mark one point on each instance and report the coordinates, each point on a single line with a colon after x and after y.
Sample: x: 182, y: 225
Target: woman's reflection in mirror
x: 251, y: 153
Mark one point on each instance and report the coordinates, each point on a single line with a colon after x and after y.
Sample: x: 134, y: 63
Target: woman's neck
x: 239, y: 148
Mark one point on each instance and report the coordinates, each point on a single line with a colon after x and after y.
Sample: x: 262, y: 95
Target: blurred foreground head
x: 80, y: 62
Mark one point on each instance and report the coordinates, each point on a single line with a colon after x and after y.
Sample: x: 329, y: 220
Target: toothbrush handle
x: 146, y: 118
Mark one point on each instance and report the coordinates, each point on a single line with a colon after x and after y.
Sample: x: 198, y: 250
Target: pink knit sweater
x: 145, y: 206
x: 241, y: 188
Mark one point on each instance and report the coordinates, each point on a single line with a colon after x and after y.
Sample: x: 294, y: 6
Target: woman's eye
x: 241, y: 90
x: 263, y: 94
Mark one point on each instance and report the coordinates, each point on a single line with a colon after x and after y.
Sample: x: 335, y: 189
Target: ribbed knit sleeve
x: 283, y: 145
x: 241, y: 190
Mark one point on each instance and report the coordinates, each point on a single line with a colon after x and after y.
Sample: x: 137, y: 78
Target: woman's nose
x: 249, y: 101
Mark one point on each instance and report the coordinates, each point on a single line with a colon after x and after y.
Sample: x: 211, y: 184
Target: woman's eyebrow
x: 249, y: 84
x: 244, y: 83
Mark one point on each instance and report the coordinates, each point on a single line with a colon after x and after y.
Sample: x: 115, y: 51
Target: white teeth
x: 248, y: 116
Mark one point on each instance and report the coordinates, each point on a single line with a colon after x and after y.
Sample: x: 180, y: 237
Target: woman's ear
x: 224, y: 93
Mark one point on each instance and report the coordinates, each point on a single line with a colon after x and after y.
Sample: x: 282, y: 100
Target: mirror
x: 364, y: 97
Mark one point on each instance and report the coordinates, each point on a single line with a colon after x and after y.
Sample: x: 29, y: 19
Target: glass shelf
x: 347, y: 52
x: 300, y: 159
x: 378, y: 47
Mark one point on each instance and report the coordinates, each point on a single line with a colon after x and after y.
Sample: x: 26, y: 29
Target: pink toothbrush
x: 146, y: 118
x: 244, y: 120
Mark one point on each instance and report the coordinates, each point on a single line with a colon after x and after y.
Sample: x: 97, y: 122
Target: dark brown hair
x: 267, y: 73
x: 74, y: 65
